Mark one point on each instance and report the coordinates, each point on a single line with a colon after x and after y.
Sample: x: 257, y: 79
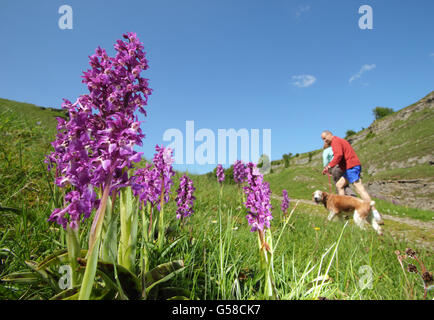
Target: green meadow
x: 312, y: 258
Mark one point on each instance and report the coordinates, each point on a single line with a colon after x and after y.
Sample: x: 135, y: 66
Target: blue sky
x: 295, y: 67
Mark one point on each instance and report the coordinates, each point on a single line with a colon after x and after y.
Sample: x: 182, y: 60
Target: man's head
x: 327, y: 136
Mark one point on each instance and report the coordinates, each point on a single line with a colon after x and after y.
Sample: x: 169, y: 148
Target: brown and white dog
x: 337, y: 205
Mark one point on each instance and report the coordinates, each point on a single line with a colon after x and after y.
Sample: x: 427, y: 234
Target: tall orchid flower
x: 73, y: 166
x: 163, y: 161
x: 240, y: 175
x: 220, y: 174
x: 259, y: 215
x: 258, y: 203
x: 95, y: 147
x: 285, y: 202
x: 146, y: 185
x: 239, y: 172
x: 185, y: 198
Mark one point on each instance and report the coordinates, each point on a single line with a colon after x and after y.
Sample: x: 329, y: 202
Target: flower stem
x: 109, y: 233
x: 95, y: 230
x: 128, y: 226
x: 221, y: 251
x: 94, y: 242
x: 267, y: 265
x: 144, y: 253
x: 161, y: 220
x: 73, y: 244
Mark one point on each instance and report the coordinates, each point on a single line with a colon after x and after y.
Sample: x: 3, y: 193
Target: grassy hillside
x: 25, y: 135
x: 397, y: 151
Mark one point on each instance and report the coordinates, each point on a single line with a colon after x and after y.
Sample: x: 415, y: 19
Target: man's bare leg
x: 360, y: 189
x: 340, y: 185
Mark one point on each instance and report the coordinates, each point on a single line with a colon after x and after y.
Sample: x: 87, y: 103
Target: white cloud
x: 303, y: 80
x: 365, y: 68
x: 301, y: 9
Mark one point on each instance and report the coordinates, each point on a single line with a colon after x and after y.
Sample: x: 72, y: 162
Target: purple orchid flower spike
x: 220, y: 174
x: 185, y: 198
x: 94, y: 147
x: 239, y: 172
x: 258, y: 203
x: 285, y: 202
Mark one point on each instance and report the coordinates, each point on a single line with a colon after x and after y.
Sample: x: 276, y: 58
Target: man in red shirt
x: 345, y: 156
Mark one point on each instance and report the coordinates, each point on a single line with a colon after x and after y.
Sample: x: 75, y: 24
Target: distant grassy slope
x: 26, y: 131
x: 393, y: 150
x: 403, y: 140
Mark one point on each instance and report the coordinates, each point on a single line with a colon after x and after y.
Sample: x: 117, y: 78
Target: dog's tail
x: 372, y: 203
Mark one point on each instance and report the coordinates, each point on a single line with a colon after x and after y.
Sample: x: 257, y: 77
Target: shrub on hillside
x: 286, y: 158
x: 381, y: 112
x: 370, y: 135
x: 349, y: 133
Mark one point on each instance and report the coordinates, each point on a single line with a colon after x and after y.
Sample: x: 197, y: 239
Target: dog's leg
x: 377, y: 227
x: 373, y: 222
x: 376, y: 214
x: 331, y: 216
x: 359, y: 221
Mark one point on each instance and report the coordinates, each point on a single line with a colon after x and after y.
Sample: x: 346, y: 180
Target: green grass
x: 300, y: 248
x: 26, y: 132
x: 229, y: 272
x: 299, y: 181
x: 301, y: 245
x: 386, y: 207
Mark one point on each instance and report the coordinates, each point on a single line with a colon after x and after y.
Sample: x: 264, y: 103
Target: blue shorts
x: 353, y: 174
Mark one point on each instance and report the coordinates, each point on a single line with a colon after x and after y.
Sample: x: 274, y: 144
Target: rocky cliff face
x: 416, y: 193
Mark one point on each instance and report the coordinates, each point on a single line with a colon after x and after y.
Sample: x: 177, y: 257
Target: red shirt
x: 343, y: 154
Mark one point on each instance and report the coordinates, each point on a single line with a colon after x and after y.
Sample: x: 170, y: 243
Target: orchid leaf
x: 68, y: 294
x: 178, y: 298
x: 163, y: 273
x: 170, y: 293
x: 60, y: 257
x: 21, y: 277
x: 90, y: 271
x: 130, y: 283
